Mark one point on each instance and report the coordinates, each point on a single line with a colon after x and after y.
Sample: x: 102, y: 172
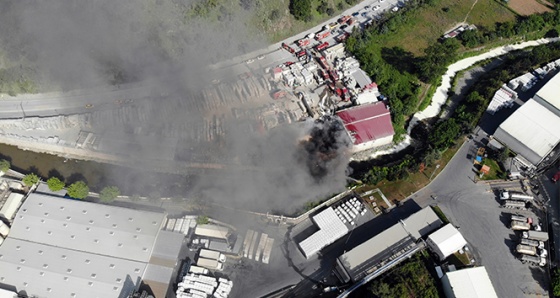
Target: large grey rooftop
x: 49, y: 271
x: 89, y: 227
x: 391, y: 240
x: 66, y: 248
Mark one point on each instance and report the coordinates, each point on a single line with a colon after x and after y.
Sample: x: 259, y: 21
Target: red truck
x: 333, y: 75
x: 350, y: 21
x: 323, y: 63
x: 342, y: 37
x: 303, y: 42
x: 344, y: 19
x: 556, y: 177
x: 288, y: 48
x: 322, y: 46
x: 322, y: 34
x: 301, y: 53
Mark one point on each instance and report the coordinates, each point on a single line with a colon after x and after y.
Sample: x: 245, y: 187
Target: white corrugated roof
x: 89, y: 227
x: 550, y: 92
x: 214, y: 231
x: 331, y: 228
x: 59, y: 246
x: 11, y: 205
x: 471, y: 283
x: 448, y: 240
x: 50, y: 271
x: 535, y: 127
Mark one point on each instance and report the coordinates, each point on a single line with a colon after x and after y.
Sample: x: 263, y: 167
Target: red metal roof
x: 367, y: 122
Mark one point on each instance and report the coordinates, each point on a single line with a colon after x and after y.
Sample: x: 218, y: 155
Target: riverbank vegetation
x: 447, y: 133
x: 409, y: 279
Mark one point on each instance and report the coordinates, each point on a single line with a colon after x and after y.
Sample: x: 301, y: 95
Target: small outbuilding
x: 446, y: 241
x: 468, y: 283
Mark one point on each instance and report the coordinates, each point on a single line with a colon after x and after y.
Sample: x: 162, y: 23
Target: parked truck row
x: 531, y: 247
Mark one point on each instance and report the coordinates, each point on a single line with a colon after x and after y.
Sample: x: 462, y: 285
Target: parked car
x: 556, y: 177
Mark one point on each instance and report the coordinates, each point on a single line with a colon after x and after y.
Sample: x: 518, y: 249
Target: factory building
x: 549, y: 95
x: 61, y: 247
x: 331, y: 228
x: 532, y: 131
x: 446, y: 241
x: 380, y: 249
x: 369, y: 125
x: 468, y: 283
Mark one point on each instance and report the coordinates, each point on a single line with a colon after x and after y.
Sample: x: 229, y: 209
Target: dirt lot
x: 527, y: 7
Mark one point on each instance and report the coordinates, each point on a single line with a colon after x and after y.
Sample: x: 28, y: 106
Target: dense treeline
x: 444, y: 133
x: 410, y: 279
x: 523, y: 25
x: 400, y: 74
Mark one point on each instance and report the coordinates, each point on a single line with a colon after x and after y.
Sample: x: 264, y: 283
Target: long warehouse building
x: 399, y: 238
x: 61, y: 247
x: 532, y: 130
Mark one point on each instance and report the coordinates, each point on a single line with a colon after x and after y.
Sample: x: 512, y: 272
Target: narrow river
x: 130, y: 181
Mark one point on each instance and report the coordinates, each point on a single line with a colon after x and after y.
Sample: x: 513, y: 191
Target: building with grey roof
x: 399, y: 238
x: 68, y: 248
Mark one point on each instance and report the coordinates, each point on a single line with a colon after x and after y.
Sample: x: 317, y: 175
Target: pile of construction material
x: 203, y: 286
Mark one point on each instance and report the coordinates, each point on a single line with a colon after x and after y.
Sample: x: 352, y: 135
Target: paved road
x: 473, y: 207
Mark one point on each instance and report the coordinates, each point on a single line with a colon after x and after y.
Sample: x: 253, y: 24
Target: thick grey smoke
x: 284, y: 168
x: 81, y: 44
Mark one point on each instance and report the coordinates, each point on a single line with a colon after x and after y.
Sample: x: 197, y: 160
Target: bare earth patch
x: 527, y: 7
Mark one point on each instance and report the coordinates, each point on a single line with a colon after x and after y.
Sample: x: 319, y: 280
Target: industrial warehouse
x: 369, y: 125
x: 60, y: 247
x: 532, y: 130
x: 382, y: 248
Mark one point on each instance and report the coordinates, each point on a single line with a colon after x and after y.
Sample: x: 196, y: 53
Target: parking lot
x: 475, y: 210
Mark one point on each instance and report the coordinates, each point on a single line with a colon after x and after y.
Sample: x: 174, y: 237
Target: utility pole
x: 435, y: 170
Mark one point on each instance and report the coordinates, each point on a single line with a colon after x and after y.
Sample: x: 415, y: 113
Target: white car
x: 250, y: 61
x: 260, y: 57
x: 381, y: 1
x: 377, y: 7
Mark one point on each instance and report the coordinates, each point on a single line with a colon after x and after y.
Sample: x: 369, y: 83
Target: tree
x: 275, y: 15
x: 55, y: 184
x: 4, y: 165
x: 109, y: 193
x: 78, y: 190
x: 301, y: 9
x: 556, y: 282
x: 444, y: 133
x: 202, y: 220
x: 30, y: 179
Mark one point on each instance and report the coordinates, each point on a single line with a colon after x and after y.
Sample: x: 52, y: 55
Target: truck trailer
x: 507, y: 195
x: 536, y: 235
x: 520, y: 225
x: 533, y: 259
x: 198, y: 270
x: 210, y: 264
x: 534, y: 243
x: 212, y: 254
x: 514, y: 204
x: 526, y: 249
